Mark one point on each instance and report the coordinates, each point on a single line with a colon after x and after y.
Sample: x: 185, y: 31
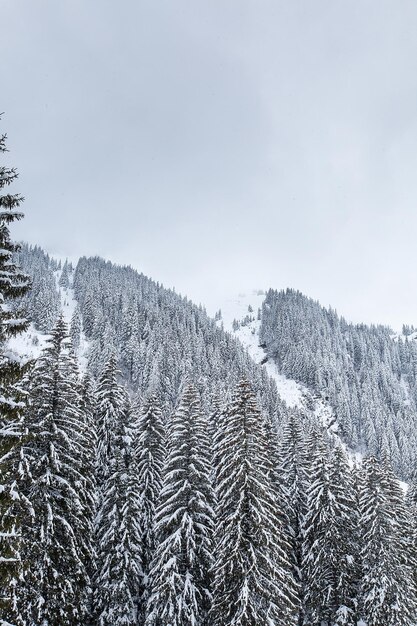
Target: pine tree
x: 387, y: 593
x: 293, y: 478
x: 180, y: 573
x: 64, y: 278
x: 118, y: 532
x: 411, y: 503
x: 13, y: 285
x: 110, y: 400
x: 344, y: 555
x: 254, y: 583
x: 150, y: 454
x: 75, y: 329
x: 329, y: 562
x: 89, y: 472
x: 56, y: 539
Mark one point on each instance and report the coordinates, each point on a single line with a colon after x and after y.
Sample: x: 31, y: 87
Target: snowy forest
x: 151, y: 473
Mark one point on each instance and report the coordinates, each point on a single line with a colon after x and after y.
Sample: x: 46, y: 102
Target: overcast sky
x: 221, y: 146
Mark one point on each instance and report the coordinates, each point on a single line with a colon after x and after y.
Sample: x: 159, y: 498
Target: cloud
x: 221, y: 145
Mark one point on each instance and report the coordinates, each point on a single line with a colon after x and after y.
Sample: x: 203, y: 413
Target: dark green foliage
x: 56, y: 536
x: 150, y: 454
x: 181, y: 568
x: 13, y: 285
x: 387, y: 592
x: 254, y: 582
x: 118, y: 532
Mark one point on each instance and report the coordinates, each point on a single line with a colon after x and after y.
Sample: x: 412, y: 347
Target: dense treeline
x: 137, y: 517
x: 168, y: 485
x: 369, y: 377
x: 159, y: 337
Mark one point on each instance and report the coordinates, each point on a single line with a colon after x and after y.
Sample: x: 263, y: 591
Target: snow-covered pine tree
x: 13, y: 285
x: 344, y: 556
x: 75, y: 329
x: 254, y: 582
x: 387, y: 594
x: 411, y: 503
x: 293, y: 479
x: 181, y: 569
x: 89, y: 471
x: 328, y: 550
x: 402, y: 517
x: 118, y: 533
x: 150, y: 454
x: 56, y: 540
x: 64, y: 278
x: 110, y: 399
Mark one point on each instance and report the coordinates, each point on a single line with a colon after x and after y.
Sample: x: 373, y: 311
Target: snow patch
x: 239, y: 316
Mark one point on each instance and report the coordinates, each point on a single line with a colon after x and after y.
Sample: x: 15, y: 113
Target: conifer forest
x: 152, y: 472
x: 208, y: 317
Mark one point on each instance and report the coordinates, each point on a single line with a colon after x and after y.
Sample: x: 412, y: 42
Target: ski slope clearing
x: 241, y: 317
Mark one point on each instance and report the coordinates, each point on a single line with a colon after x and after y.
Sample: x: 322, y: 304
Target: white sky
x: 222, y: 146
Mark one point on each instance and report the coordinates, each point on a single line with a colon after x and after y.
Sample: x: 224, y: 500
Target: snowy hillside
x: 239, y: 316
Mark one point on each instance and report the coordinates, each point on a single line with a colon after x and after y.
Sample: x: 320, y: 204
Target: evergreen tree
x: 13, y: 285
x: 254, y: 583
x: 64, y: 278
x: 293, y: 477
x: 89, y: 471
x: 387, y: 594
x: 180, y: 573
x: 329, y: 560
x: 150, y: 454
x: 110, y: 399
x: 411, y: 503
x: 75, y: 329
x: 344, y: 555
x: 118, y: 532
x: 56, y: 540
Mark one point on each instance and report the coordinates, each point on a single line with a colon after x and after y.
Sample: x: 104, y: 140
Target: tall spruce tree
x: 150, y: 454
x: 110, y: 399
x: 329, y: 559
x: 180, y: 573
x: 118, y: 532
x: 56, y: 539
x: 293, y: 478
x: 13, y: 284
x: 411, y: 503
x: 89, y: 472
x: 387, y: 594
x: 75, y: 329
x: 254, y: 582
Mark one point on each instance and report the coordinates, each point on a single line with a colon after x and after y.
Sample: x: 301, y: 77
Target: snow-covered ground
x: 291, y: 392
x: 28, y: 345
x: 247, y: 305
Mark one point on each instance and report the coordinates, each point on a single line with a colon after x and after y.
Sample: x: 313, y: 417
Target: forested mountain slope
x: 160, y: 339
x: 154, y: 491
x: 368, y: 376
x: 360, y: 380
